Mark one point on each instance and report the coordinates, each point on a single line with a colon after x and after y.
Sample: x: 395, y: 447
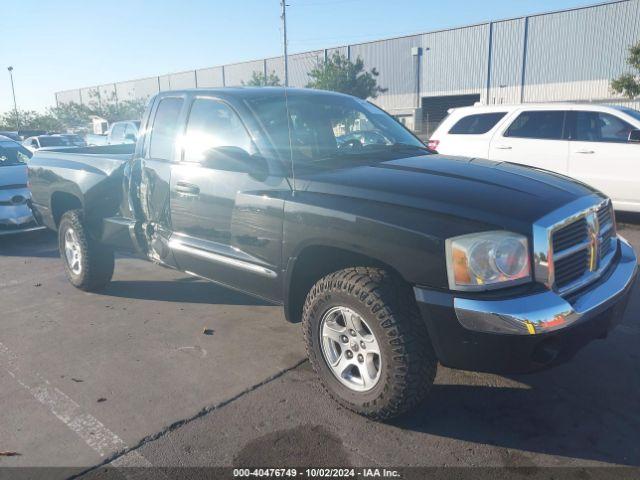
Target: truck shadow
x: 188, y: 290
x: 588, y: 408
x: 40, y: 244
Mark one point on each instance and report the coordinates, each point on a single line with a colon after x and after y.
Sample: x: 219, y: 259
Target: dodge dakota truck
x: 393, y: 258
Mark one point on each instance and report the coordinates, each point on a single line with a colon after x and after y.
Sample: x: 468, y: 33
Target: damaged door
x: 159, y: 152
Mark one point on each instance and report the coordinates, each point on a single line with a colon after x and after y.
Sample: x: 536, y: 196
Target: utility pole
x: 15, y: 105
x: 283, y: 16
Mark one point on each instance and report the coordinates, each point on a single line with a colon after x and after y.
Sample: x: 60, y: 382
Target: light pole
x: 15, y: 105
x: 283, y: 17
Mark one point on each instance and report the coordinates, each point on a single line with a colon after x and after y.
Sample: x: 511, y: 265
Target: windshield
x: 330, y: 127
x: 54, y: 142
x: 12, y: 153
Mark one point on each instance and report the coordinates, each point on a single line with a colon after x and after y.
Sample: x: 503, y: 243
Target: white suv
x: 597, y: 144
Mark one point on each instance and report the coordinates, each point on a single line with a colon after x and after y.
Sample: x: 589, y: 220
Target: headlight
x: 487, y: 260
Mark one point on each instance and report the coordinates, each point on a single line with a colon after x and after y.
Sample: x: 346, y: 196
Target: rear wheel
x: 87, y: 263
x: 367, y: 342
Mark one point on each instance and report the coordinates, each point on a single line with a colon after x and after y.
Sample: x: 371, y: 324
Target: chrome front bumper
x: 547, y: 311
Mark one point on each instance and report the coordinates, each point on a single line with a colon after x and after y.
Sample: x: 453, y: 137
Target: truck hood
x: 13, y: 175
x: 497, y: 193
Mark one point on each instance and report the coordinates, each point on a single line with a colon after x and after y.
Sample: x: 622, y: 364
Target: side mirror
x: 634, y: 136
x: 235, y: 159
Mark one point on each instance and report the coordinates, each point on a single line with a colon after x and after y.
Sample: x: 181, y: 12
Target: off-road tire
x: 386, y: 303
x: 97, y: 260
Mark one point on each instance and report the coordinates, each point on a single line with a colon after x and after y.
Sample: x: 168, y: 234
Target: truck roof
x: 247, y: 92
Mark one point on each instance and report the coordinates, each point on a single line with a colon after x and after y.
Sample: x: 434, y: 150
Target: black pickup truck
x: 394, y: 258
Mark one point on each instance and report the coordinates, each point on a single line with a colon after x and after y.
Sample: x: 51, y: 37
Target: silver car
x: 15, y: 198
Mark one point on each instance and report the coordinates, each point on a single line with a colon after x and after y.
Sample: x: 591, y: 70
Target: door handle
x: 187, y: 189
x: 503, y: 147
x: 587, y: 152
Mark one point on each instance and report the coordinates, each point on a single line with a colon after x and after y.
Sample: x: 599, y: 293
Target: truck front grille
x: 581, y: 248
x: 571, y: 235
x: 571, y: 268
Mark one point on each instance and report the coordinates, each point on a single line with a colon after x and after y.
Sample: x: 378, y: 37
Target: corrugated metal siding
x: 183, y: 80
x: 210, y: 77
x: 276, y: 65
x: 126, y: 90
x: 68, y: 96
x: 300, y: 64
x: 396, y: 67
x: 241, y: 72
x: 456, y: 61
x: 164, y: 82
x: 577, y: 48
x: 569, y: 55
x: 89, y: 95
x: 341, y: 50
x: 507, y: 50
x: 107, y: 92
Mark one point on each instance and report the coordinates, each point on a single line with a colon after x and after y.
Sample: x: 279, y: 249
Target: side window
x: 164, y: 129
x: 117, y: 133
x: 130, y: 130
x: 212, y: 124
x: 477, y: 124
x: 601, y: 127
x: 540, y: 124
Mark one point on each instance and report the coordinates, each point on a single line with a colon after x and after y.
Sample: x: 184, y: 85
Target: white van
x: 597, y: 144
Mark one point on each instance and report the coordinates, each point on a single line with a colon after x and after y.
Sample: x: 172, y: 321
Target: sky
x: 58, y: 45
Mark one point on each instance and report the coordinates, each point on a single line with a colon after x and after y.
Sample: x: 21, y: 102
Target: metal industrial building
x: 568, y: 55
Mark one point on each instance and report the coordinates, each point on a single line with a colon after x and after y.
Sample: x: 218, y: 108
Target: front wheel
x: 87, y: 264
x: 367, y: 343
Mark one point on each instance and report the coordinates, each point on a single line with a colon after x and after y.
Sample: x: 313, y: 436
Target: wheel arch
x: 311, y: 263
x: 62, y: 202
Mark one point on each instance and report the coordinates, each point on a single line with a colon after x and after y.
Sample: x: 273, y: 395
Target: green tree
x: 75, y: 115
x: 72, y: 114
x: 258, y: 79
x: 629, y: 83
x: 29, y: 119
x: 340, y: 74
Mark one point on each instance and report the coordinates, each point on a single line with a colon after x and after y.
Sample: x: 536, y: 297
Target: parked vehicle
x: 597, y: 144
x: 46, y: 142
x: 15, y: 199
x: 393, y: 258
x: 74, y: 139
x: 123, y: 132
x: 11, y: 135
x: 30, y: 132
x: 366, y: 137
x: 94, y: 140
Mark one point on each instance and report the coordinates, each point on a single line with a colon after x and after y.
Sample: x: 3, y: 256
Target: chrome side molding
x: 176, y: 244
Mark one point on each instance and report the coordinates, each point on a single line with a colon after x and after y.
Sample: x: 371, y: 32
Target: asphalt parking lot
x: 161, y: 369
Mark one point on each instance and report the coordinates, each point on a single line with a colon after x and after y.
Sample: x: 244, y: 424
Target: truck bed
x: 90, y: 176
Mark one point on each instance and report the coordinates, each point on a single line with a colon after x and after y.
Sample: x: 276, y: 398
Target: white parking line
x: 98, y: 437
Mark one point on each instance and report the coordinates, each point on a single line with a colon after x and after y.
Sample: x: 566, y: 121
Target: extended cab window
x: 117, y: 133
x: 212, y: 124
x: 164, y: 129
x: 539, y: 124
x: 130, y: 132
x: 601, y: 127
x: 477, y: 124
